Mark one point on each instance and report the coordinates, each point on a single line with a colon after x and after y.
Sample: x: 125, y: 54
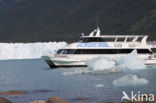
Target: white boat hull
x: 79, y: 60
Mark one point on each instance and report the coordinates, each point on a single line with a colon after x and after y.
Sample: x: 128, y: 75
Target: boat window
x: 154, y: 50
x: 141, y: 51
x: 81, y: 40
x: 66, y: 51
x: 121, y: 39
x: 59, y: 51
x: 139, y: 39
x: 101, y: 51
x: 129, y: 39
x: 109, y: 39
x: 94, y: 40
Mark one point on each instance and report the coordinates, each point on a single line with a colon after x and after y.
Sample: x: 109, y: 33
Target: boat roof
x: 119, y: 36
x: 97, y: 33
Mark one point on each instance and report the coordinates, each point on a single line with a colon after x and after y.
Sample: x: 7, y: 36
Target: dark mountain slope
x: 47, y: 20
x: 116, y: 16
x: 29, y: 20
x: 6, y: 4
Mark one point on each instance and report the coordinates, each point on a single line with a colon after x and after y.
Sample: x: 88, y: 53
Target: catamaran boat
x: 109, y: 46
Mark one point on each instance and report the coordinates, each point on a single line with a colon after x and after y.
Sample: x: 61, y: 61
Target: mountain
x: 55, y: 20
x: 6, y: 4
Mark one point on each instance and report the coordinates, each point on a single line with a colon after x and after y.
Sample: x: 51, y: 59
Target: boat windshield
x: 65, y: 51
x: 95, y: 39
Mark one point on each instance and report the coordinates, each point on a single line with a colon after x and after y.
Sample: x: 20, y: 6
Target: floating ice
x: 100, y: 63
x: 131, y: 61
x: 130, y: 80
x: 103, y: 65
x: 28, y: 50
x: 99, y: 85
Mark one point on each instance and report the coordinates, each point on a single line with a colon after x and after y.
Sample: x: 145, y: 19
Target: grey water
x: 41, y: 82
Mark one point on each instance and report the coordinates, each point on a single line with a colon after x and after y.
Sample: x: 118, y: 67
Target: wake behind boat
x: 94, y: 45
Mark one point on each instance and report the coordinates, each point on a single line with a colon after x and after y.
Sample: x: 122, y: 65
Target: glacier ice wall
x: 28, y: 50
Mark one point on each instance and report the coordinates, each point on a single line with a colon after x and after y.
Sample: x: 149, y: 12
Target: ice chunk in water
x: 130, y: 80
x: 99, y: 85
x: 131, y: 61
x: 100, y: 63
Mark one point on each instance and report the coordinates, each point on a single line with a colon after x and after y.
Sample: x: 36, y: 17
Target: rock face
x: 38, y: 101
x: 9, y: 93
x: 4, y: 100
x: 56, y: 100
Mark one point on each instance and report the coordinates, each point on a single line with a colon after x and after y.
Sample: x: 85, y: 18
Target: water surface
x: 42, y: 82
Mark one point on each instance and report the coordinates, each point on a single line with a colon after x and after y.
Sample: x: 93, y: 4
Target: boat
x: 95, y: 44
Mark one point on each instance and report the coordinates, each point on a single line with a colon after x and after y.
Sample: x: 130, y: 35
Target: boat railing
x: 131, y: 44
x: 151, y: 42
x: 118, y: 45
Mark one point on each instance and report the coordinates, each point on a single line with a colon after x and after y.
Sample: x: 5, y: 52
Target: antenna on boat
x: 98, y: 29
x: 96, y: 32
x: 97, y: 21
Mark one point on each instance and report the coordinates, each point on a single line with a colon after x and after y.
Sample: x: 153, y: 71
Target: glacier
x: 28, y: 50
